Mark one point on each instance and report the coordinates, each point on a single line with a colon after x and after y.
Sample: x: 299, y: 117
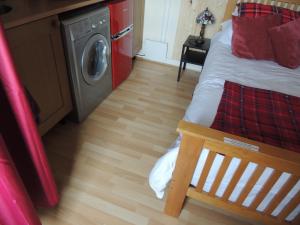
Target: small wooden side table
x: 193, y: 53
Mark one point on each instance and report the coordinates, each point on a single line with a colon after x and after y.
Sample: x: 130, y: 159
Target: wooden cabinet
x: 39, y: 58
x: 138, y: 15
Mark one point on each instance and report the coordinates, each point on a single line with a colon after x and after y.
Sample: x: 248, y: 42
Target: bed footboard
x: 195, y: 138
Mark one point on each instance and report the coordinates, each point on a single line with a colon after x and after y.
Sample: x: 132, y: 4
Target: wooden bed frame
x: 196, y: 137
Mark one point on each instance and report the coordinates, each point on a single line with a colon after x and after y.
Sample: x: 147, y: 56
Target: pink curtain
x: 24, y: 167
x: 15, y: 204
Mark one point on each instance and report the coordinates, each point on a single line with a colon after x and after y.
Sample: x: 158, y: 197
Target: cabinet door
x: 39, y: 58
x: 138, y: 16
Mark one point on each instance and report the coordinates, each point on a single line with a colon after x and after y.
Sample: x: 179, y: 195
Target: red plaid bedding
x: 260, y: 115
x: 258, y: 9
x: 288, y: 15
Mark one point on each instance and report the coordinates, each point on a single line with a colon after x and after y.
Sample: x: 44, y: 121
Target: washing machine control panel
x: 98, y: 21
x: 87, y: 25
x: 80, y: 29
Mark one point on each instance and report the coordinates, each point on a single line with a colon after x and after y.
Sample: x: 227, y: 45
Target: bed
x: 252, y: 179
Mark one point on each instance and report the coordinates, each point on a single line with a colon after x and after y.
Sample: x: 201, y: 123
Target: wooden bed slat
x: 290, y: 207
x: 280, y: 159
x: 250, y: 184
x: 220, y: 175
x: 235, y: 179
x: 188, y: 156
x: 229, y: 207
x: 268, y: 155
x: 292, y: 181
x: 209, y: 161
x: 265, y: 190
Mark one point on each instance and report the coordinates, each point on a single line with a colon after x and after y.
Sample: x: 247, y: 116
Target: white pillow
x: 226, y: 33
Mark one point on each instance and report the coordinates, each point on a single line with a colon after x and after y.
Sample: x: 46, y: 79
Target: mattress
x: 221, y: 65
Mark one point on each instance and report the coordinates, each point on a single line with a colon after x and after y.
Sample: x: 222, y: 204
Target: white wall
x: 187, y: 24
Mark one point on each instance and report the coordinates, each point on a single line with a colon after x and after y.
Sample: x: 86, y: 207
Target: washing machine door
x: 95, y: 59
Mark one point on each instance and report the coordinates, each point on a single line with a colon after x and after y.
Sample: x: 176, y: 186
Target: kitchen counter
x: 26, y: 11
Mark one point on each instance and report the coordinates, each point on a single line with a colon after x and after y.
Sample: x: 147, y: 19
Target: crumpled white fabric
x: 163, y: 169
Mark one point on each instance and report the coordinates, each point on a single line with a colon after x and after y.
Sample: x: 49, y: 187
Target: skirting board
x: 172, y: 62
x: 157, y: 51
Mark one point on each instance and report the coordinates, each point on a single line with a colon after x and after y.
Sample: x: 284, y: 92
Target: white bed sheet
x: 221, y: 65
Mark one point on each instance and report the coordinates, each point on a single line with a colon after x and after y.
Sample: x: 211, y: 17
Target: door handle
x: 122, y: 33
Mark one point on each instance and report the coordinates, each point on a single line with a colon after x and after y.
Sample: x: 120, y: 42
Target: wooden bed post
x: 229, y: 9
x: 185, y: 166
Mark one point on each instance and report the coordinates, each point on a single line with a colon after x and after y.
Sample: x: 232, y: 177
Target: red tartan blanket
x: 261, y: 115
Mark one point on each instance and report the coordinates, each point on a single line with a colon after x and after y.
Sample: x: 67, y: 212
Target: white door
x: 160, y: 26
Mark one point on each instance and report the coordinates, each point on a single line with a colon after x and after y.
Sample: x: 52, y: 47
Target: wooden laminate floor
x: 102, y: 165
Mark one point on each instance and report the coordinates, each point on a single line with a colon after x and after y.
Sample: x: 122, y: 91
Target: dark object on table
x: 204, y: 18
x: 193, y: 52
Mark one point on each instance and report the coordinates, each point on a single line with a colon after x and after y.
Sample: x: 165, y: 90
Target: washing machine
x: 86, y: 35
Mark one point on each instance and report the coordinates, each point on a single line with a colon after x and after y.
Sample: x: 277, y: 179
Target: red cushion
x: 285, y: 40
x: 257, y: 9
x: 250, y: 37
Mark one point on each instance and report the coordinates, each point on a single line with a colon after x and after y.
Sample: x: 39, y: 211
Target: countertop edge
x: 28, y: 19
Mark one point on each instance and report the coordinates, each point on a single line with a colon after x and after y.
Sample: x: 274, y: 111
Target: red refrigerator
x: 121, y: 26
